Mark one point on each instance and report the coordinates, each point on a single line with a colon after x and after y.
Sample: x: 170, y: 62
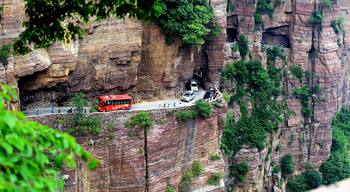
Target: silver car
x: 188, y: 96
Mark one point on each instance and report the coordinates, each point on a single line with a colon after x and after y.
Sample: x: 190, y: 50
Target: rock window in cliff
x: 276, y: 36
x: 231, y: 35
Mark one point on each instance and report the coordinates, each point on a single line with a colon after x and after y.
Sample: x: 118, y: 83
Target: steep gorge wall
x: 172, y: 147
x: 315, y: 48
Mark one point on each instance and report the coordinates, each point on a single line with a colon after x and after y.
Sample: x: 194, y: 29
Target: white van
x: 194, y: 85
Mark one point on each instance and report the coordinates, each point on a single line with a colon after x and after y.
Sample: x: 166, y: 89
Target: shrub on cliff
x: 186, y: 115
x: 203, y: 108
x: 239, y: 171
x: 338, y: 25
x: 33, y: 154
x: 215, y: 178
x: 257, y: 87
x: 337, y: 167
x: 310, y: 179
x: 287, y: 165
x: 192, y: 21
x: 194, y: 171
x: 142, y: 119
x: 297, y: 72
x: 81, y: 124
x: 243, y: 46
x: 316, y: 17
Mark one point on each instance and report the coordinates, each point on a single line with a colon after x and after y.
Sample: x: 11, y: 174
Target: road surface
x: 145, y: 106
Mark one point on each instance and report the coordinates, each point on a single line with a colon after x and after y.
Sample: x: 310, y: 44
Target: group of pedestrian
x: 167, y: 105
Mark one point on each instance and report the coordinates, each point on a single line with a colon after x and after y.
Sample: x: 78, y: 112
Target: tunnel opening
x: 30, y: 97
x: 232, y: 34
x: 276, y: 37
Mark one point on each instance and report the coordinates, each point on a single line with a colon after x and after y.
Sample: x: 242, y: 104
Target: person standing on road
x: 174, y: 104
x: 52, y: 109
x: 37, y: 112
x: 59, y: 110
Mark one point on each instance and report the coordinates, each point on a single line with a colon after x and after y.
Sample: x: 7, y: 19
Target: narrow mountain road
x: 145, y: 106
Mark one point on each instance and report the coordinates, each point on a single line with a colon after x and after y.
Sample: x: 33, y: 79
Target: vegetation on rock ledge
x: 258, y: 89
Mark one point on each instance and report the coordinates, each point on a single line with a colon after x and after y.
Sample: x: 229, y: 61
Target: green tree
x: 337, y: 167
x: 193, y: 21
x: 55, y: 20
x: 287, y: 165
x: 239, y: 171
x: 32, y: 154
x: 310, y: 179
x: 81, y: 124
x: 142, y: 119
x: 48, y: 21
x: 203, y: 108
x: 243, y: 46
x: 257, y: 87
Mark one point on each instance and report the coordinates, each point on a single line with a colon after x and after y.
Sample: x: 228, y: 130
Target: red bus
x: 114, y: 102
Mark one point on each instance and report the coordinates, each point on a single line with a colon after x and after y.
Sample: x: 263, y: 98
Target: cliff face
x: 318, y: 50
x: 119, y: 56
x: 116, y: 56
x: 171, y: 147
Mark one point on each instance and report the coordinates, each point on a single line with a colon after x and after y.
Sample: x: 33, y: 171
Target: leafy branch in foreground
x: 49, y: 21
x: 31, y: 154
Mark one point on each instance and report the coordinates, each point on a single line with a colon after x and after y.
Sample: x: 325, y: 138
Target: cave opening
x: 277, y: 36
x: 232, y: 34
x: 31, y: 97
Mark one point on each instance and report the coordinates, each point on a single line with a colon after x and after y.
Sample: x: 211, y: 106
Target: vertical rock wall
x: 172, y: 147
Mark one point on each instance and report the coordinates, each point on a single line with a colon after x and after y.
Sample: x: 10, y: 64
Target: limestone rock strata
x: 172, y: 147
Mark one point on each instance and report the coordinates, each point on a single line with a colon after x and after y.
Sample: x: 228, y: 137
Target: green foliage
x: 4, y: 54
x: 261, y: 88
x: 243, y: 46
x: 47, y: 20
x: 316, y: 17
x: 337, y: 167
x: 239, y: 171
x: 265, y: 7
x: 141, y: 119
x: 215, y: 178
x: 338, y: 25
x: 257, y: 19
x: 234, y: 47
x: 191, y: 20
x: 203, y: 108
x: 326, y: 3
x: 297, y: 72
x: 279, y: 2
x: 186, y: 115
x: 32, y: 154
x: 230, y: 7
x: 287, y: 165
x: 195, y: 170
x: 304, y: 95
x: 81, y: 124
x: 170, y: 188
x: 310, y: 179
x: 276, y: 169
x: 215, y: 157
